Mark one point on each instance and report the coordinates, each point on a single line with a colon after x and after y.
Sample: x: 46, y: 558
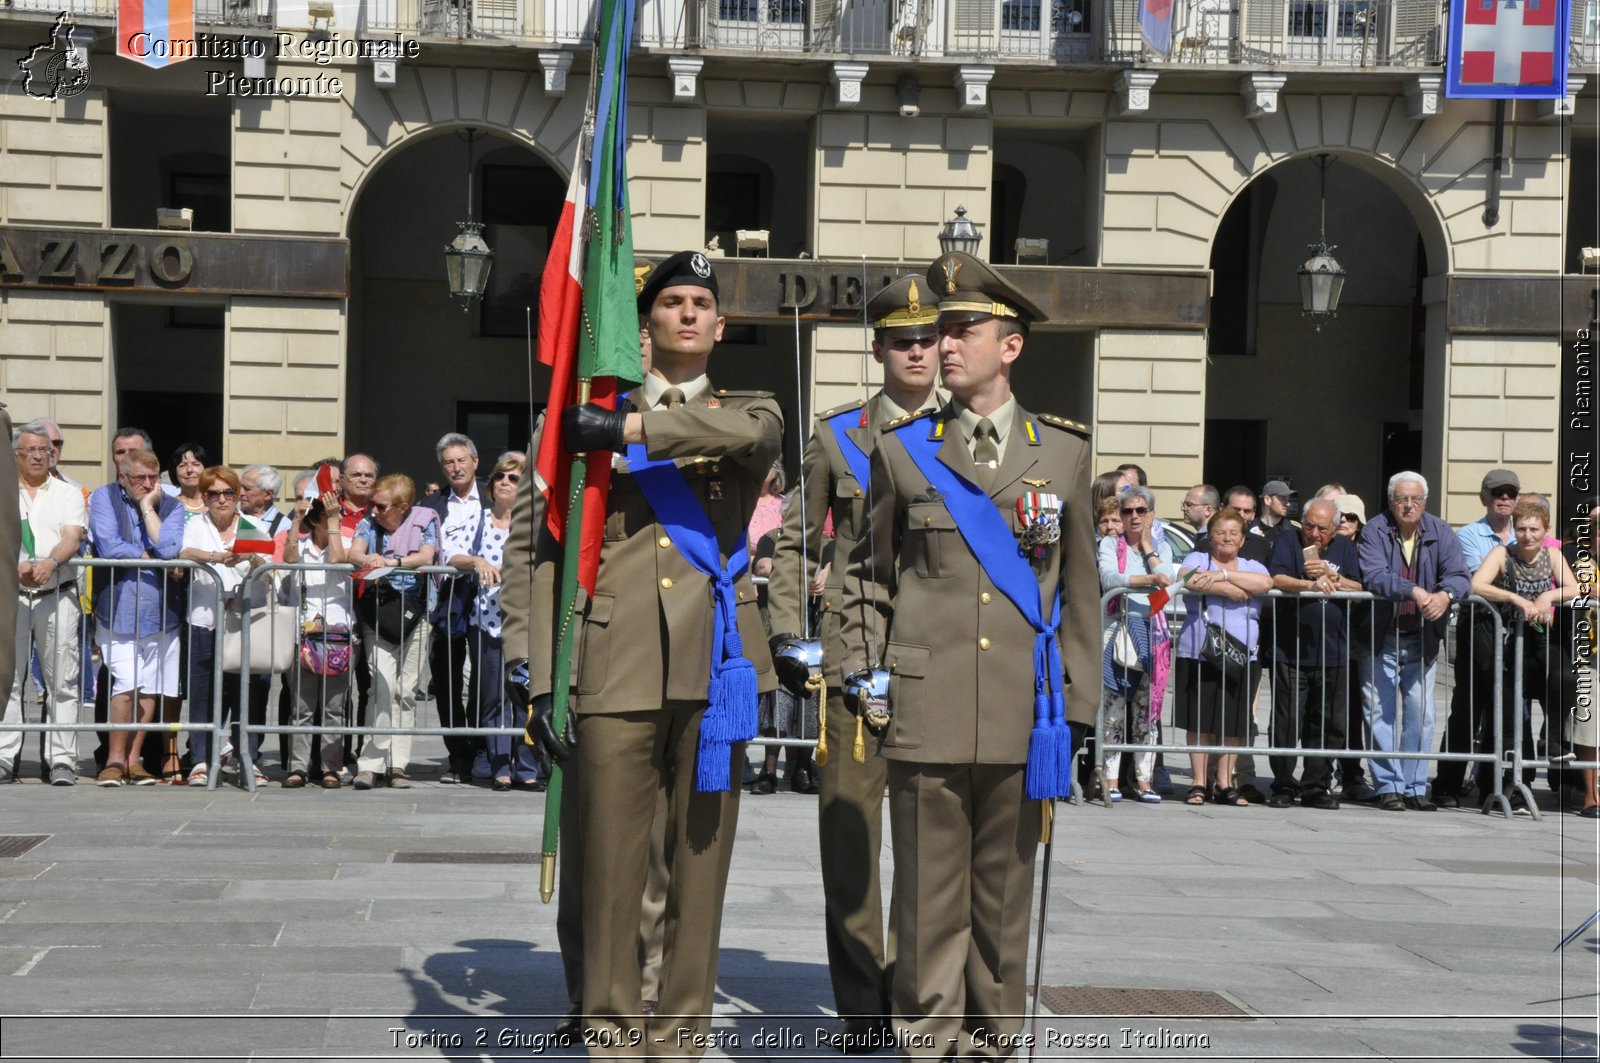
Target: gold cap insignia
x: 641, y: 274
x: 952, y: 266
x: 913, y: 299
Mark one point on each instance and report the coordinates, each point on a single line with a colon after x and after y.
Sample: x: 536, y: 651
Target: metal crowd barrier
x: 87, y: 648
x: 1577, y: 651
x: 1356, y: 745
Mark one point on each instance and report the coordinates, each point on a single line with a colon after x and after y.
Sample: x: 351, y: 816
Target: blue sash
x: 854, y: 456
x: 989, y: 537
x: 731, y: 709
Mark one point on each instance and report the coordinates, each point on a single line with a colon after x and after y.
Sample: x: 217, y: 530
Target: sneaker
x: 398, y: 780
x: 364, y: 780
x: 63, y: 775
x: 139, y: 776
x: 111, y: 775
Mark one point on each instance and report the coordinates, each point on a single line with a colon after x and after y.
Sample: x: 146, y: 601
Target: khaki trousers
x: 629, y: 762
x: 850, y: 829
x: 396, y: 670
x: 964, y: 846
x: 48, y: 623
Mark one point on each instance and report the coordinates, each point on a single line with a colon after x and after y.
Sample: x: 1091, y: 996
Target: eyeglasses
x: 34, y: 452
x: 141, y: 477
x: 1409, y: 500
x: 226, y: 492
x: 514, y: 477
x: 1135, y: 511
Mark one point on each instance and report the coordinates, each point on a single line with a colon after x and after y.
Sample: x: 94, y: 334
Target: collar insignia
x: 1031, y: 482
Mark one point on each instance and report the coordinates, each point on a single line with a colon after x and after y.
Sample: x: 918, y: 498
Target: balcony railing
x: 1321, y: 33
x: 245, y: 14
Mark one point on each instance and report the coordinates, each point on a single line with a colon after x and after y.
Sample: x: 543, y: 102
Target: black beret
x: 685, y: 267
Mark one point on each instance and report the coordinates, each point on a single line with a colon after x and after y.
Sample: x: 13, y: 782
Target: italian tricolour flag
x: 251, y: 538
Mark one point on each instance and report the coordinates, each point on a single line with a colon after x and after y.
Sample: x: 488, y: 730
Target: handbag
x: 1222, y: 651
x: 1124, y: 651
x: 391, y: 613
x: 271, y: 639
x: 324, y: 648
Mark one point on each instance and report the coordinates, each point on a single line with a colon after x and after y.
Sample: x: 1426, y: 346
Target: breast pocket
x: 849, y: 506
x: 930, y: 541
x: 594, y: 649
x: 908, y: 669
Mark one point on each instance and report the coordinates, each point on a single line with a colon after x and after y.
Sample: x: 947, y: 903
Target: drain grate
x: 13, y: 845
x: 465, y: 858
x: 1152, y: 1003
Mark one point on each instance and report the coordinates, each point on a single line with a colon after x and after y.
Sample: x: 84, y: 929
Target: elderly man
x: 258, y: 495
x: 10, y: 546
x: 460, y: 507
x: 1411, y: 558
x: 974, y: 588
x: 1312, y: 655
x: 53, y: 521
x: 136, y: 618
x: 1472, y: 700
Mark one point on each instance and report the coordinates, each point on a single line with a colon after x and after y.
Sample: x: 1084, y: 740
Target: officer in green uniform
x: 850, y: 811
x: 645, y: 663
x: 979, y: 524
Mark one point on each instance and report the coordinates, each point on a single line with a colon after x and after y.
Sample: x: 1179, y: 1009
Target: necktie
x: 986, y: 452
x: 672, y: 398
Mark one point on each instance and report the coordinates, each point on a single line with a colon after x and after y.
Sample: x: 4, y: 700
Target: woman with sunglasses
x: 1136, y: 561
x: 479, y: 547
x: 209, y: 540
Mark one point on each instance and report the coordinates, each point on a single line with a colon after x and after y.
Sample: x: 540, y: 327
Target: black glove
x: 541, y: 730
x: 592, y: 427
x: 792, y: 672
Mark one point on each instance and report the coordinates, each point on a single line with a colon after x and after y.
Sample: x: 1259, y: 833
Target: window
x: 792, y: 11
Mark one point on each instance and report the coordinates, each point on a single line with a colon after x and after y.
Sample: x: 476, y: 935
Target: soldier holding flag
x: 672, y: 654
x: 973, y: 600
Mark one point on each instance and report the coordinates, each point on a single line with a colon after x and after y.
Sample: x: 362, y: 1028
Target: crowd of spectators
x: 138, y: 632
x: 1190, y: 626
x: 1352, y: 642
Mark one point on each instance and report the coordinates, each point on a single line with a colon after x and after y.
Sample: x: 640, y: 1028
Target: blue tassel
x: 711, y: 765
x: 731, y: 716
x: 1044, y: 762
x: 1064, y: 764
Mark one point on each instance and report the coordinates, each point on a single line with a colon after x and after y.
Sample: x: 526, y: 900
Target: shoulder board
x: 900, y: 422
x: 731, y: 393
x: 1061, y: 422
x: 845, y: 408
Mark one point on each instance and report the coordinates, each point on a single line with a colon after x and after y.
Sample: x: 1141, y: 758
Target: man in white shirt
x: 53, y: 522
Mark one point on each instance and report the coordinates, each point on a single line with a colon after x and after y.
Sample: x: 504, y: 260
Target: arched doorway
x: 1349, y: 403
x: 419, y: 366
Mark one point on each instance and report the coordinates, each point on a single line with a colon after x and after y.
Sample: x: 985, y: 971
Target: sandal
x: 330, y: 781
x: 292, y: 781
x: 200, y: 774
x: 1228, y: 795
x: 1196, y: 796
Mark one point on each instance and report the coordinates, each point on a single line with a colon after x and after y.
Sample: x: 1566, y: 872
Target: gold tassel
x: 818, y: 685
x: 858, y: 750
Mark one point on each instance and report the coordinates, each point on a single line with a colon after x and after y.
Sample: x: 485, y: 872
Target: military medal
x: 1040, y: 514
x: 714, y: 490
x: 713, y: 403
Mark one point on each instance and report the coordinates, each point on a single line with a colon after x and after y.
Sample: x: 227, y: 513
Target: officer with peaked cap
x: 975, y: 588
x: 904, y: 318
x: 656, y: 708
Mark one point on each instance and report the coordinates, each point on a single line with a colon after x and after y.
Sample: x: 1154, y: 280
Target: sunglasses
x: 383, y: 507
x: 1135, y: 511
x: 226, y: 492
x: 1505, y: 492
x: 58, y: 443
x: 514, y: 477
x: 1349, y: 518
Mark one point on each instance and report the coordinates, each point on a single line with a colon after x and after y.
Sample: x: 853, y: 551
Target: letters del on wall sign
x: 172, y: 262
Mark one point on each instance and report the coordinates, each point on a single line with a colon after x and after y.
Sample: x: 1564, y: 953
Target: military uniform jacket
x: 645, y: 636
x: 516, y: 565
x: 830, y: 487
x: 959, y: 652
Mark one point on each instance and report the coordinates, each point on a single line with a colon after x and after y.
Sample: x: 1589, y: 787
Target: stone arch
x: 428, y: 101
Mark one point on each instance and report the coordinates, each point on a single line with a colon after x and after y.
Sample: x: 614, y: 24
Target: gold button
x: 984, y: 598
x: 858, y: 492
x: 664, y: 542
x: 983, y: 643
x: 927, y: 521
x: 666, y: 583
x: 827, y: 603
x: 741, y: 596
